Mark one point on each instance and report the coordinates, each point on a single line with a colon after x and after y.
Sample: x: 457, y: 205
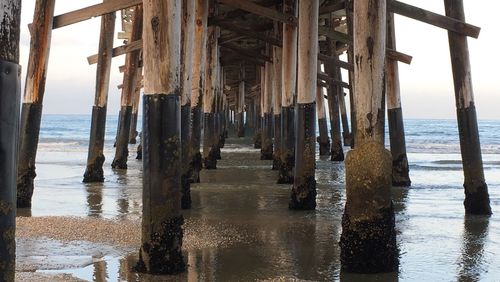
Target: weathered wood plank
x: 332, y: 8
x: 432, y: 18
x: 249, y: 33
x: 118, y: 51
x: 336, y: 62
x: 260, y: 10
x: 92, y: 12
x: 398, y: 56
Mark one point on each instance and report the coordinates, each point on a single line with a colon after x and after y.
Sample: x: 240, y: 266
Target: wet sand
x: 240, y: 228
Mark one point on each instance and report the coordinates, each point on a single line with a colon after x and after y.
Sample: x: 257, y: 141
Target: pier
x: 214, y: 73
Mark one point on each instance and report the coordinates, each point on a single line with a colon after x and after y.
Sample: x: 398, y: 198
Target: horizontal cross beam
x: 118, y: 51
x: 92, y: 12
x: 431, y: 18
x: 249, y: 33
x: 260, y: 10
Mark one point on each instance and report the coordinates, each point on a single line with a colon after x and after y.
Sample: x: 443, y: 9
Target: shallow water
x: 436, y: 240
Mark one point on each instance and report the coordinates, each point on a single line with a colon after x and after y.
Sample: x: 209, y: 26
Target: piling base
x: 477, y: 202
x: 210, y: 142
x: 277, y: 143
x: 303, y: 195
x: 186, y: 158
x: 477, y: 199
x: 196, y: 159
x: 400, y: 172
x: 337, y: 152
x: 95, y: 159
x: 369, y: 246
x: 368, y: 240
x: 323, y: 141
x: 31, y: 115
x: 162, y: 253
x: 400, y: 169
x: 94, y: 171
x: 196, y: 166
x: 288, y: 145
x: 257, y: 139
x: 121, y: 155
x: 266, y: 150
x: 139, y: 152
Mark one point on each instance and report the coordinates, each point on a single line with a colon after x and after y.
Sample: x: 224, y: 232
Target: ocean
x: 436, y: 240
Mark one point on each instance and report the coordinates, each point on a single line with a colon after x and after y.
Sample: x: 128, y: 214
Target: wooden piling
x: 400, y: 168
x: 162, y: 220
x: 323, y: 140
x: 240, y: 104
x: 129, y: 88
x: 95, y: 157
x: 136, y: 99
x: 288, y: 95
x: 335, y: 92
x: 368, y: 240
x: 303, y: 195
x: 350, y: 59
x: 31, y: 113
x: 266, y: 150
x: 258, y: 109
x: 187, y: 49
x: 277, y: 90
x: 199, y: 60
x: 477, y: 200
x: 209, y: 102
x: 10, y: 99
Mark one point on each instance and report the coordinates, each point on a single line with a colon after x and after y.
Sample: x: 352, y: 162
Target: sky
x: 426, y: 84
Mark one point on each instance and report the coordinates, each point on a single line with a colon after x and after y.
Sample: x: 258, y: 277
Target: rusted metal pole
x: 10, y: 99
x: 477, y: 199
x: 129, y: 88
x: 199, y: 59
x: 400, y: 168
x: 303, y: 195
x: 95, y: 158
x: 209, y: 100
x: 288, y: 95
x: 188, y: 26
x: 368, y: 240
x: 162, y: 220
x: 31, y: 113
x: 323, y: 140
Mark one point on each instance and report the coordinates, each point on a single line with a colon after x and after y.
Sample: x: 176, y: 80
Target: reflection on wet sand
x: 471, y: 263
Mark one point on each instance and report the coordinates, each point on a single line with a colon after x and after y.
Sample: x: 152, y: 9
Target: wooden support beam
x: 247, y: 53
x: 332, y: 8
x: 92, y: 12
x: 345, y: 38
x: 118, y: 51
x: 336, y: 62
x: 335, y: 35
x: 398, y: 56
x: 325, y: 77
x: 249, y: 33
x: 434, y: 19
x: 260, y: 10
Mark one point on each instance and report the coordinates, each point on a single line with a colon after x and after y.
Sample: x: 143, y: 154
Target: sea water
x: 437, y: 241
